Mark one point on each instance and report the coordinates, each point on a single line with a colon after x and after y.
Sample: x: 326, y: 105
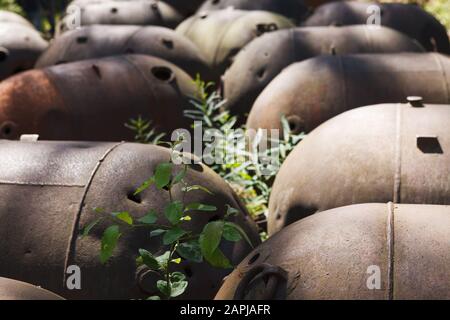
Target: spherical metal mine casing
x: 101, y: 41
x: 264, y: 58
x: 294, y: 9
x: 93, y: 99
x: 17, y: 290
x: 143, y: 12
x: 407, y: 18
x: 20, y: 47
x: 185, y: 7
x: 380, y: 153
x: 310, y: 92
x: 350, y: 253
x: 11, y: 17
x: 221, y: 34
x: 52, y: 188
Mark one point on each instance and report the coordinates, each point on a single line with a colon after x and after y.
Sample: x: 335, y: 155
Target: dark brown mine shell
x: 105, y: 40
x: 47, y: 194
x: 381, y: 153
x: 93, y: 99
x: 310, y: 92
x: 20, y: 47
x: 407, y: 18
x: 342, y: 253
x: 264, y: 58
x: 221, y: 34
x: 17, y: 290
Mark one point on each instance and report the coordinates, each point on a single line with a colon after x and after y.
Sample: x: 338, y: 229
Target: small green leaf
x: 150, y: 218
x: 145, y: 185
x: 157, y: 232
x: 199, y: 207
x: 177, y: 276
x: 231, y: 211
x: 173, y: 235
x: 149, y: 260
x: 230, y: 233
x: 164, y: 287
x: 89, y: 227
x: 174, y: 212
x: 109, y: 241
x: 190, y: 251
x: 218, y: 260
x: 99, y: 210
x: 177, y: 260
x: 179, y: 176
x: 178, y: 288
x: 196, y: 187
x: 210, y: 237
x: 163, y: 173
x: 154, y: 298
x: 241, y: 231
x: 163, y: 260
x: 123, y: 216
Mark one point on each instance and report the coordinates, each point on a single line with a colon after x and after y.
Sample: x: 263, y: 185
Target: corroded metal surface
x: 294, y: 9
x: 407, y: 18
x: 17, y: 290
x: 221, y: 34
x: 143, y: 12
x: 340, y: 254
x: 264, y: 58
x: 92, y: 99
x: 101, y: 41
x: 313, y: 91
x: 381, y: 153
x: 52, y: 188
x: 20, y: 47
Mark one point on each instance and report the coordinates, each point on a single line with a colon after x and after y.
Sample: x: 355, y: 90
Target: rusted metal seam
x: 73, y: 238
x: 390, y: 247
x: 130, y: 38
x: 396, y: 198
x: 222, y: 35
x: 438, y: 61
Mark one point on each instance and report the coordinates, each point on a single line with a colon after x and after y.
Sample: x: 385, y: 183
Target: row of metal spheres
x: 375, y: 154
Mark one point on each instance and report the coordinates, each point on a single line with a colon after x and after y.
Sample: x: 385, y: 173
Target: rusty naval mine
x: 92, y: 99
x: 52, y: 188
x: 293, y: 9
x: 142, y: 12
x: 345, y: 253
x: 310, y: 92
x: 258, y: 63
x: 20, y: 44
x: 220, y: 35
x: 17, y: 290
x: 409, y: 19
x: 100, y: 41
x: 380, y: 153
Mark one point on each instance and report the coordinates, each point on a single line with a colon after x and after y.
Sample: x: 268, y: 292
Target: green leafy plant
x: 11, y: 5
x: 182, y: 243
x: 144, y: 133
x: 251, y: 180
